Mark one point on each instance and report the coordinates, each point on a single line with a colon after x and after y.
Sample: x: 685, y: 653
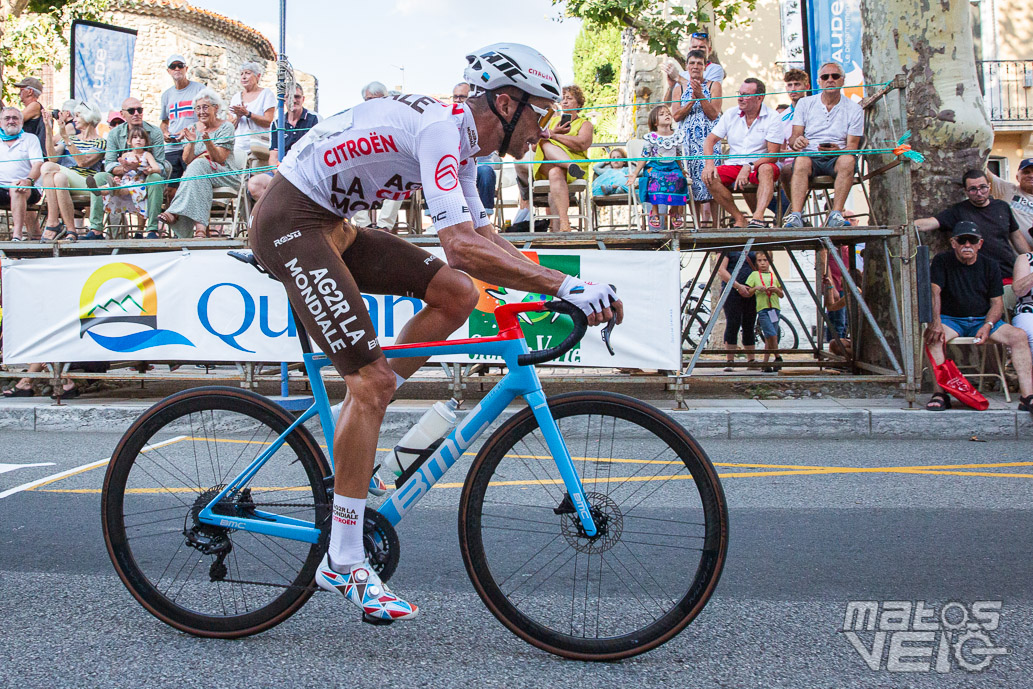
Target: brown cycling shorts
x: 325, y: 263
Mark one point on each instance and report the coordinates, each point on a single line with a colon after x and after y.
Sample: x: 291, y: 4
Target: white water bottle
x: 414, y: 445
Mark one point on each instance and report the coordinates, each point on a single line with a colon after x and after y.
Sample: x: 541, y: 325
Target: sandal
x: 756, y: 224
x: 200, y: 234
x: 19, y: 392
x: 654, y: 222
x: 677, y: 222
x: 68, y: 394
x: 70, y: 235
x: 938, y: 402
x: 1026, y: 403
x: 58, y: 231
x: 92, y: 184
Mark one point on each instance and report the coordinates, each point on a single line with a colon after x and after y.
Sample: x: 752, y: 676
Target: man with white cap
x: 177, y: 111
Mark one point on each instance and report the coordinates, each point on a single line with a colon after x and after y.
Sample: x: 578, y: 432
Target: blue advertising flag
x: 835, y: 33
x: 102, y: 64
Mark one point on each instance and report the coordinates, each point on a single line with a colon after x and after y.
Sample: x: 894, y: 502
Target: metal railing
x: 1008, y: 89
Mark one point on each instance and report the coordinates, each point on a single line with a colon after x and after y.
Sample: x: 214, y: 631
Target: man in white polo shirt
x: 1019, y: 197
x: 747, y: 129
x: 20, y: 161
x: 823, y: 124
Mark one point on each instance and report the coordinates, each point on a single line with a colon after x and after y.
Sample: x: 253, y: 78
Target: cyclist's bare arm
x: 484, y: 255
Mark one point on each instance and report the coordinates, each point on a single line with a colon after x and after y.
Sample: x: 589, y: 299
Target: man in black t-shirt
x: 968, y: 302
x: 994, y: 218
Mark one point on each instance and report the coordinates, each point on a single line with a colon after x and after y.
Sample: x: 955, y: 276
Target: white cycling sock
x: 346, y: 533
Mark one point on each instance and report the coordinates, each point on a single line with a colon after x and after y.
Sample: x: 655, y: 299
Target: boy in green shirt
x: 767, y: 289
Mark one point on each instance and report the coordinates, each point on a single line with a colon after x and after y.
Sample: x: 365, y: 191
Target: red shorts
x: 728, y: 173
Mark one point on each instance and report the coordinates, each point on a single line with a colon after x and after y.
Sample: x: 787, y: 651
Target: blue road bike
x: 591, y: 524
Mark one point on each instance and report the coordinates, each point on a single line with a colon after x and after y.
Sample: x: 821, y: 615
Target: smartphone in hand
x: 566, y: 118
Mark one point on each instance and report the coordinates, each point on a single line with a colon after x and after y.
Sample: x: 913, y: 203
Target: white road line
x: 4, y: 468
x: 79, y: 469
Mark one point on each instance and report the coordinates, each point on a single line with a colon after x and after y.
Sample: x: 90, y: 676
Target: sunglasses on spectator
x: 701, y: 34
x: 177, y: 65
x: 134, y: 111
x: 830, y: 77
x: 967, y: 239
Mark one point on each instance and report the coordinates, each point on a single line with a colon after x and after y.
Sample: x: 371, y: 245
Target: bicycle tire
x: 487, y: 550
x: 784, y: 327
x: 145, y: 456
x: 692, y: 330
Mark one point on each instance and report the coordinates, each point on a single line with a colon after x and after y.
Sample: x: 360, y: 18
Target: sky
x: 348, y: 44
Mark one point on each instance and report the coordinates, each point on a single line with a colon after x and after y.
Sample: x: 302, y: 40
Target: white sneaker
x: 361, y: 586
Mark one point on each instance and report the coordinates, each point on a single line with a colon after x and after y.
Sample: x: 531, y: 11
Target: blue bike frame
x: 520, y: 381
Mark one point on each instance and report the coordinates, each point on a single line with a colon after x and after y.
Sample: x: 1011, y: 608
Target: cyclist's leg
x: 382, y: 263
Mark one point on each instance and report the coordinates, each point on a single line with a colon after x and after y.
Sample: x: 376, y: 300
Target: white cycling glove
x: 587, y: 296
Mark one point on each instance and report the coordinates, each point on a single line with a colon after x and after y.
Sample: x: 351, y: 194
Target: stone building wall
x: 213, y: 56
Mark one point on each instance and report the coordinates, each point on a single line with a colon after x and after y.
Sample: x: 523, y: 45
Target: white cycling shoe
x: 377, y: 486
x: 362, y: 587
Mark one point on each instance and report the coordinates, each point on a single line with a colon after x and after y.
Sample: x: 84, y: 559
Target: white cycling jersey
x: 386, y: 148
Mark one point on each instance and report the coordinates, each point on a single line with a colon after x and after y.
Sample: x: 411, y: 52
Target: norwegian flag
x: 184, y: 108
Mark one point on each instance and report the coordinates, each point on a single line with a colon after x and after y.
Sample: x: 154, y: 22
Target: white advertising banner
x: 207, y: 306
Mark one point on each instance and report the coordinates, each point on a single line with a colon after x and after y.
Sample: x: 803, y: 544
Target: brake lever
x: 608, y: 330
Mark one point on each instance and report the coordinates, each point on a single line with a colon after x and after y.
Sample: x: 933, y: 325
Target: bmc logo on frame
x: 909, y: 636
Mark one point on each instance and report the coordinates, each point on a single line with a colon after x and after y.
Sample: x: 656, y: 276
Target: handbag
x: 950, y: 379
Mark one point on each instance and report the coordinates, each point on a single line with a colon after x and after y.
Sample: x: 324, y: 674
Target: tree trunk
x: 8, y: 8
x: 930, y: 42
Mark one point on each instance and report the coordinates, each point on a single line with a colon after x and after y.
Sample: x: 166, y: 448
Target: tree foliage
x: 34, y: 39
x: 661, y: 27
x: 597, y: 61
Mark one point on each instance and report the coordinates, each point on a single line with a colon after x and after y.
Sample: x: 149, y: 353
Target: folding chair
x: 617, y: 201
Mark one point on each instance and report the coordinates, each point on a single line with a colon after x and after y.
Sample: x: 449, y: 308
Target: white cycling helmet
x: 512, y: 64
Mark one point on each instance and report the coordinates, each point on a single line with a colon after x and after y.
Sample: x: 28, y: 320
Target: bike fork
x: 558, y: 448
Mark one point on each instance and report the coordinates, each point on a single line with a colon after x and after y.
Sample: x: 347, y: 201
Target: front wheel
x: 663, y: 529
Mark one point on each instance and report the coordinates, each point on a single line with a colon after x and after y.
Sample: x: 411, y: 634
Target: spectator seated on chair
x: 85, y: 150
x: 748, y: 128
x: 825, y: 124
x: 126, y: 193
x: 998, y: 228
x: 797, y: 85
x: 968, y: 302
x: 209, y: 152
x: 118, y: 161
x: 664, y: 184
x: 1022, y: 276
x: 252, y: 112
x: 20, y: 161
x: 567, y: 139
x: 177, y: 112
x: 611, y: 178
x: 296, y: 123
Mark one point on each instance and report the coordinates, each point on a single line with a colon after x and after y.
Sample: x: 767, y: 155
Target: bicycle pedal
x: 375, y: 621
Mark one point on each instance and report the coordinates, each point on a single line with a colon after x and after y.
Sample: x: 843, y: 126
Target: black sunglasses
x: 134, y: 111
x: 831, y: 76
x: 177, y: 65
x: 967, y: 239
x: 701, y: 34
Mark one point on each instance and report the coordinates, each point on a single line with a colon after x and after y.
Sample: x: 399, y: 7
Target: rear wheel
x: 661, y: 544
x: 203, y: 579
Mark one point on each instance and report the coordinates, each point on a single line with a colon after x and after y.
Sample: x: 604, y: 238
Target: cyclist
x: 381, y: 149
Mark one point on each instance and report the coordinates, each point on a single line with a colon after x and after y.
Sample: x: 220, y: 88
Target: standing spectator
x: 177, y: 112
x: 713, y: 73
x: 86, y: 151
x: 567, y: 138
x: 116, y: 163
x: 296, y: 123
x: 1019, y: 197
x: 825, y: 123
x: 21, y: 158
x: 32, y: 110
x: 1022, y: 276
x: 252, y: 111
x: 766, y: 289
x: 664, y: 185
x: 747, y: 128
x: 968, y: 302
x: 611, y: 178
x: 209, y: 150
x: 740, y: 308
x: 798, y: 85
x: 374, y: 89
x: 696, y: 115
x: 460, y: 92
x: 998, y: 228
